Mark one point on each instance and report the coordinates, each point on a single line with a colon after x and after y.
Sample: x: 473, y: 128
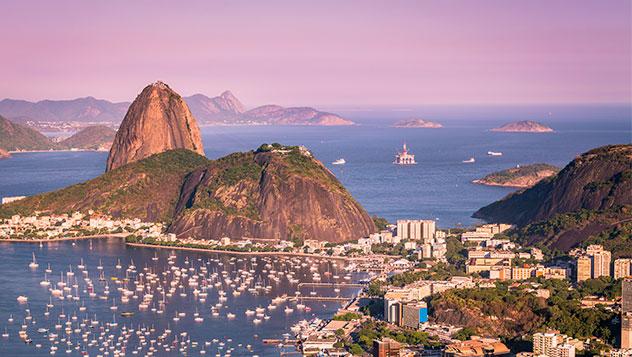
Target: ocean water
x: 233, y: 334
x: 438, y: 187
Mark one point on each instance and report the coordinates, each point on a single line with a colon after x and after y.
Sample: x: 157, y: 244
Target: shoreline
x: 98, y: 236
x: 52, y: 151
x: 234, y: 252
x: 493, y: 184
x: 199, y: 250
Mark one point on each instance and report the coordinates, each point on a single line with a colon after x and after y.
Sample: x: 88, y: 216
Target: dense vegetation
x: 18, y: 137
x: 599, y: 180
x: 147, y: 189
x: 515, y: 312
x: 231, y: 170
x: 347, y: 317
x: 616, y: 239
x: 547, y: 234
x: 90, y: 138
x: 380, y: 223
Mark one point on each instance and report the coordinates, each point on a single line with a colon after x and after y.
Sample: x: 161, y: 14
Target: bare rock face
x: 276, y: 192
x: 158, y: 120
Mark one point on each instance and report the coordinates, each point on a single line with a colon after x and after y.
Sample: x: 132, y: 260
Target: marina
x: 101, y: 297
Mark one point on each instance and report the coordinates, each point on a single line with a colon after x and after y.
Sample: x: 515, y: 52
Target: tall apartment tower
x: 417, y: 229
x: 626, y: 295
x: 600, y: 260
x: 622, y: 268
x: 544, y: 343
x: 584, y: 268
x: 626, y: 330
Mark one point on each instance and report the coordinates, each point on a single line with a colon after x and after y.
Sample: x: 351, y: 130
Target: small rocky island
x: 524, y: 126
x: 417, y: 123
x: 519, y: 176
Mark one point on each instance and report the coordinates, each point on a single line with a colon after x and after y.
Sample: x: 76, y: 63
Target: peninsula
x: 519, y: 176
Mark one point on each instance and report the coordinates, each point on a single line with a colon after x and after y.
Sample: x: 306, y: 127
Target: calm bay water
x: 231, y: 333
x: 439, y: 186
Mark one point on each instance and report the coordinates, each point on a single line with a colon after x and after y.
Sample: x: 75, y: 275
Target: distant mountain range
x: 225, y: 109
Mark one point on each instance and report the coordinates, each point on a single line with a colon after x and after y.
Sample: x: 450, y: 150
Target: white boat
x: 494, y: 153
x: 33, y: 264
x: 340, y: 161
x: 469, y: 161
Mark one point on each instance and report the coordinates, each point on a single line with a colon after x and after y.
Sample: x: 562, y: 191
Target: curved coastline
x: 197, y: 250
x: 54, y: 240
x: 234, y: 252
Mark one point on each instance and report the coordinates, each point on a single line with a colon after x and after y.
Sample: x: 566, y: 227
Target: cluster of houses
x: 494, y: 257
x: 54, y: 226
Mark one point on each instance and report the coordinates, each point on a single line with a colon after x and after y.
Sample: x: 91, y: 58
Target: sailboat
x: 33, y: 264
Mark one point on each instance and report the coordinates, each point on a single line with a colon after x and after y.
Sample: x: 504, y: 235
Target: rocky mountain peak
x: 230, y: 102
x: 158, y: 120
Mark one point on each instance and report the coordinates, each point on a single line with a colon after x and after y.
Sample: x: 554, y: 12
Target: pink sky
x: 321, y: 53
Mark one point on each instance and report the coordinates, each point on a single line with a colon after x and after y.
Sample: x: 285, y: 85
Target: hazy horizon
x: 328, y: 53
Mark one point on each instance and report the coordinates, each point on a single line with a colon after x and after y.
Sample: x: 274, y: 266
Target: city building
x: 622, y: 268
x: 416, y: 229
x: 493, y: 228
x: 393, y: 310
x: 626, y: 330
x: 414, y: 314
x: 476, y: 237
x: 10, y: 199
x: 386, y: 348
x: 552, y: 344
x: 584, y: 269
x: 626, y: 295
x: 593, y: 263
x: 621, y: 352
x: 601, y: 260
